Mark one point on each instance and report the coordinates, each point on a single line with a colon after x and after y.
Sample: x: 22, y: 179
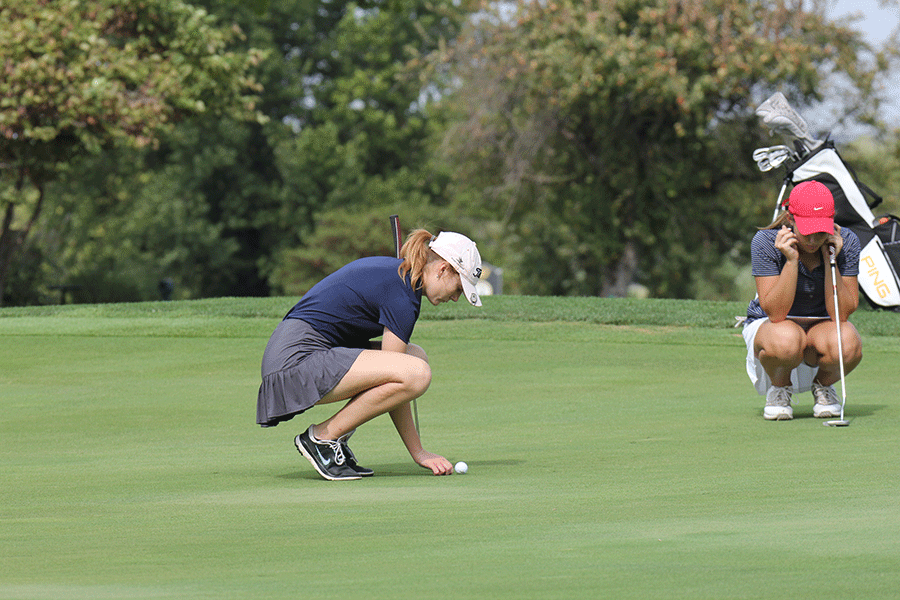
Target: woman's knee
x: 417, y: 351
x: 786, y: 343
x: 850, y: 344
x: 418, y: 377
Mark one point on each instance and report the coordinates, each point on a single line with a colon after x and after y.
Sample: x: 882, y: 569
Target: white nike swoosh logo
x: 818, y: 207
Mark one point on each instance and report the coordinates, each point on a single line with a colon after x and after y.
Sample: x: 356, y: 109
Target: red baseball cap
x: 812, y: 205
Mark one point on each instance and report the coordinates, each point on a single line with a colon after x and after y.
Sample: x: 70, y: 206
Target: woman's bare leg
x: 780, y: 348
x: 822, y: 350
x: 377, y: 383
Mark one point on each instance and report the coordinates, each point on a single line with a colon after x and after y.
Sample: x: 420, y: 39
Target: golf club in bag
x: 805, y: 159
x: 398, y: 243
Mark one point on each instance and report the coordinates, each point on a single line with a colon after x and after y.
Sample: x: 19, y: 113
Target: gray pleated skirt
x: 299, y: 366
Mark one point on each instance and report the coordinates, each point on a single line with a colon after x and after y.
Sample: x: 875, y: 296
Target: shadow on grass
x: 851, y: 411
x: 863, y: 410
x: 408, y: 469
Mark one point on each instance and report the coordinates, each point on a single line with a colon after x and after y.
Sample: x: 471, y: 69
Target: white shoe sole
x: 777, y: 413
x: 826, y: 411
x: 315, y: 465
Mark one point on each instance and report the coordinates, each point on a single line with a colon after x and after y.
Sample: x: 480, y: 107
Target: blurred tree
x: 138, y: 227
x: 361, y: 110
x: 346, y: 127
x: 602, y: 133
x: 329, y: 247
x: 877, y: 164
x: 345, y: 234
x: 80, y: 77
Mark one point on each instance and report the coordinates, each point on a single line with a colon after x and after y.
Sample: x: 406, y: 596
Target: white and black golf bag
x: 879, y: 237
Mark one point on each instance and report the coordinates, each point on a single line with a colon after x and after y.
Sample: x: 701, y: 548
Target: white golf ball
x: 461, y: 467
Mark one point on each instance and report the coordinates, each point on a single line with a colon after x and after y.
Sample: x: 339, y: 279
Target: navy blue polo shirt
x: 809, y: 299
x: 355, y: 303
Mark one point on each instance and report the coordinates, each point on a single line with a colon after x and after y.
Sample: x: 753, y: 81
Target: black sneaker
x: 326, y: 456
x: 350, y: 458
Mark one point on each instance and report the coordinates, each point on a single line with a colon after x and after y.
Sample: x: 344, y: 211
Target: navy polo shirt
x: 354, y: 304
x: 809, y: 299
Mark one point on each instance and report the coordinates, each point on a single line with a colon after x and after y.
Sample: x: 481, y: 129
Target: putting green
x: 604, y: 461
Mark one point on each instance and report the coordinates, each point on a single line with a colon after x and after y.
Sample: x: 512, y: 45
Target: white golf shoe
x: 827, y: 403
x: 778, y: 405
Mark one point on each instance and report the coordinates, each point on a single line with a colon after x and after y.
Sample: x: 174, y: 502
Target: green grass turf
x: 624, y: 460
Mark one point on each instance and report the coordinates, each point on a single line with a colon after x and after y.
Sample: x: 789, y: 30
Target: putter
x: 398, y: 242
x: 837, y: 319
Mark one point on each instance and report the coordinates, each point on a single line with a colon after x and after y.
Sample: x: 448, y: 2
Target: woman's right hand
x: 786, y: 243
x: 437, y: 463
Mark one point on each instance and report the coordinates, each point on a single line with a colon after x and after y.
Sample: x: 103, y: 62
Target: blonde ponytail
x: 415, y: 254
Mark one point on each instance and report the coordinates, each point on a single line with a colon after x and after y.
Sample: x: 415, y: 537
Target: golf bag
x: 879, y: 237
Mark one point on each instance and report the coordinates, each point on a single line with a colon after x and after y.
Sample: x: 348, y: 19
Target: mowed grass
x: 624, y: 460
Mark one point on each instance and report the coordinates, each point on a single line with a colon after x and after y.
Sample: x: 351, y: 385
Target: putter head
x: 836, y: 423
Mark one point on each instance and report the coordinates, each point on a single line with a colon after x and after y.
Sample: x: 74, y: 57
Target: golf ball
x: 461, y: 467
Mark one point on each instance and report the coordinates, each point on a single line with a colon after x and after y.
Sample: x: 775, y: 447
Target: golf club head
x: 778, y: 115
x: 761, y: 157
x: 764, y: 165
x: 836, y: 423
x: 773, y: 157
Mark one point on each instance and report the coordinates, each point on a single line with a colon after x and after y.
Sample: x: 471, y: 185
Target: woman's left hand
x: 835, y: 241
x: 437, y: 463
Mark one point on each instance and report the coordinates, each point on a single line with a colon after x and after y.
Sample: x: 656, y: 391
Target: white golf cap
x: 461, y: 252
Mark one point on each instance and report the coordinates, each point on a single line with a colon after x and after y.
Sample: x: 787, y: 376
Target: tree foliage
x: 878, y: 166
x: 359, y: 104
x: 590, y: 144
x: 604, y: 131
x: 80, y: 77
x: 346, y: 129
